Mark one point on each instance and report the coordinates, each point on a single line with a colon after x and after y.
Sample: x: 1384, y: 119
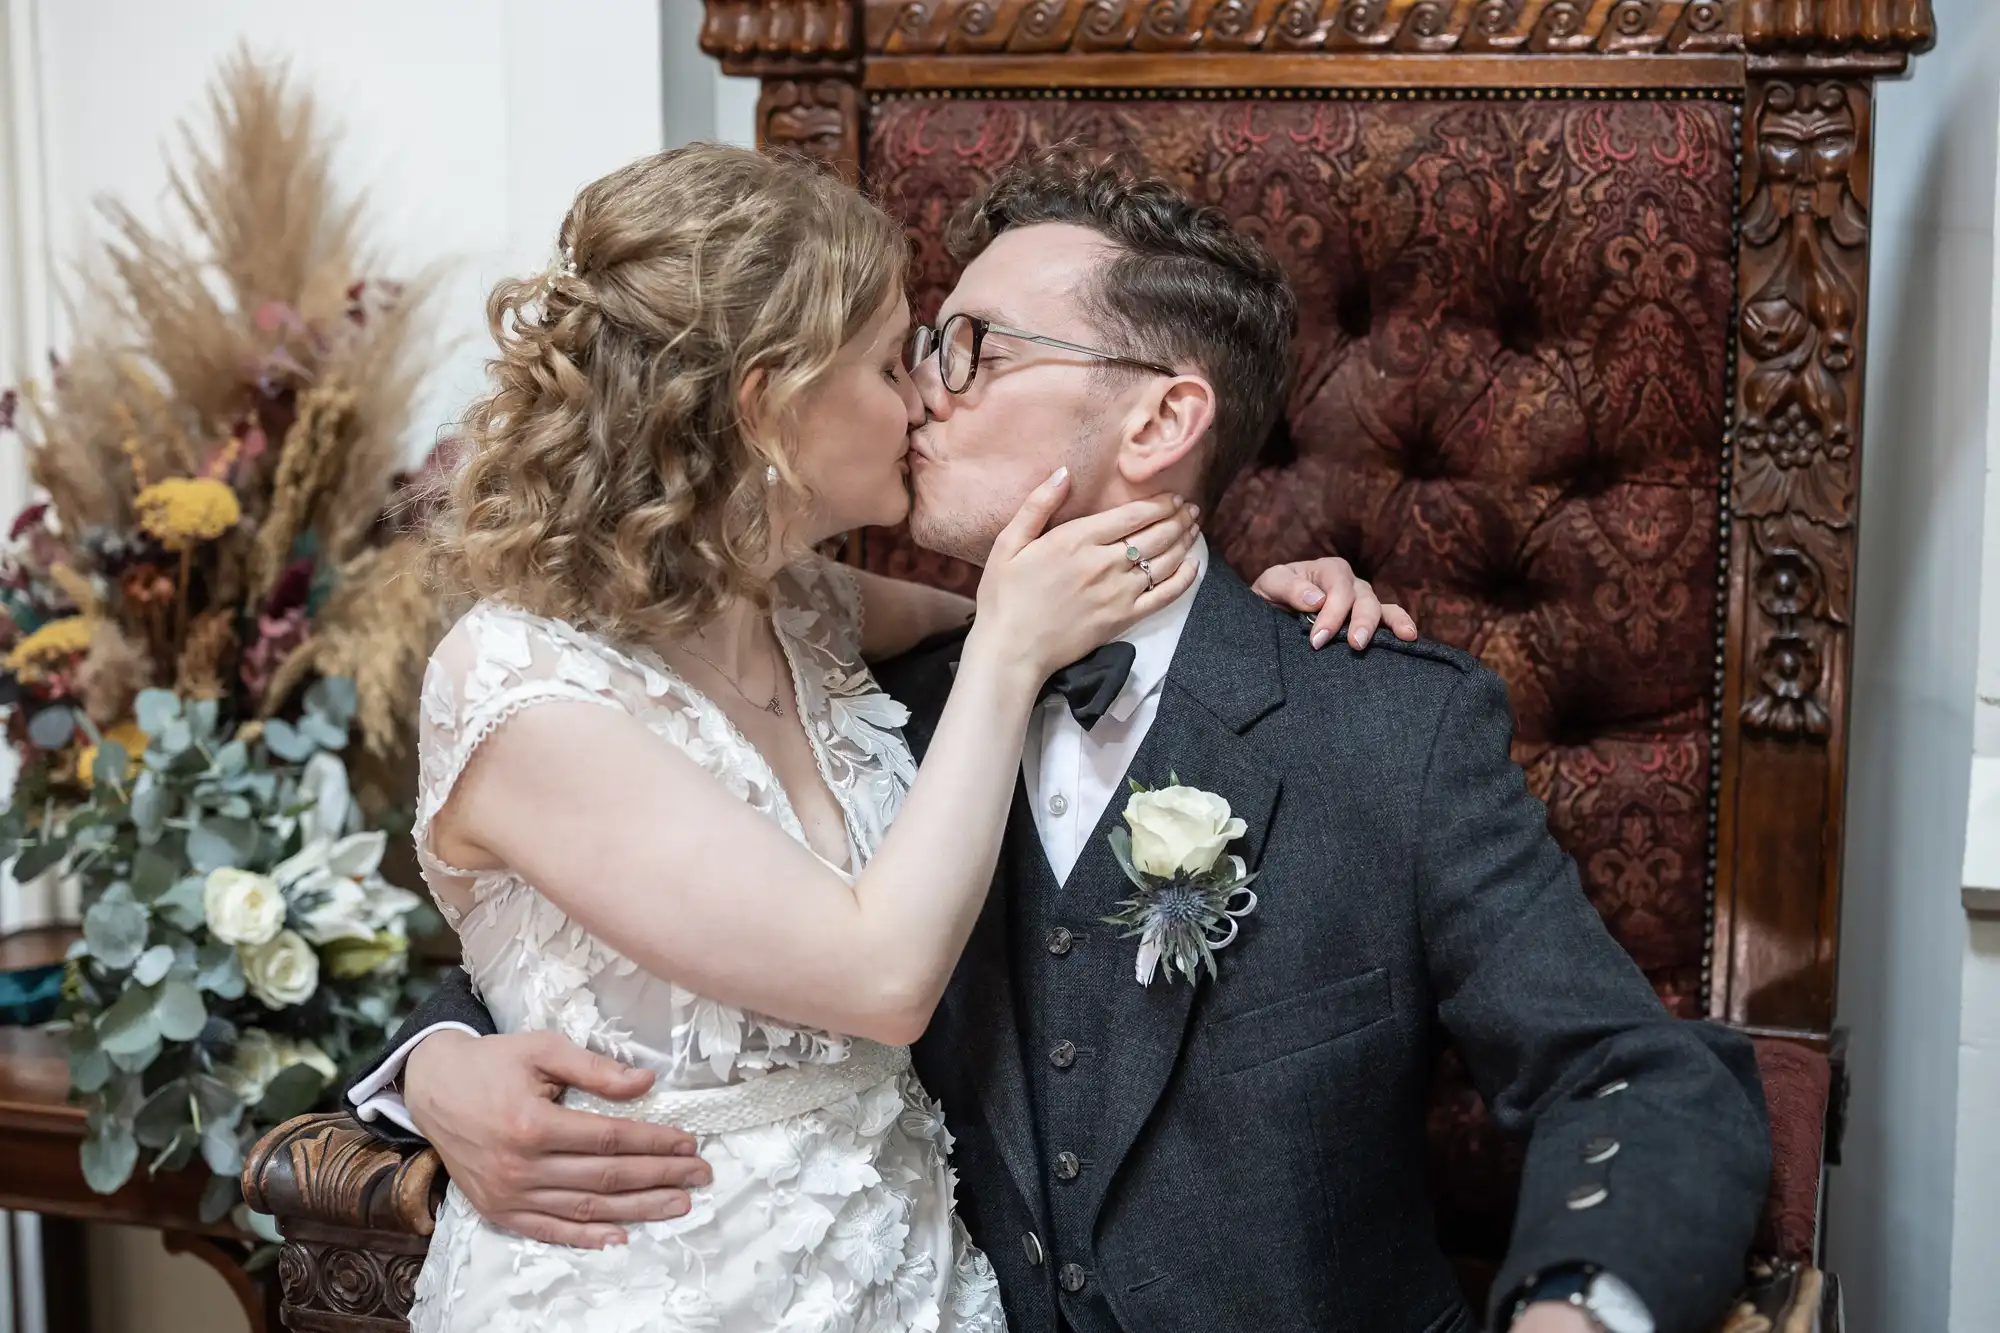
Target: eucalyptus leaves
x: 239, y: 944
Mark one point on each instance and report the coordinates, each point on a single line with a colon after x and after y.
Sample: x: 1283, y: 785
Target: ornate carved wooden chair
x: 1583, y: 285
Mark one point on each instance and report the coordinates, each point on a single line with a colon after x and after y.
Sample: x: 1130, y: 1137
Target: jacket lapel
x: 1225, y: 675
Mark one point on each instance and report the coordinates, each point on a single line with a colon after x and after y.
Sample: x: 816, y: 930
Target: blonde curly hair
x: 610, y: 477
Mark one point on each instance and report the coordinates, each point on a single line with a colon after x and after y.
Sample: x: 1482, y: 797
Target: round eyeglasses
x: 957, y: 341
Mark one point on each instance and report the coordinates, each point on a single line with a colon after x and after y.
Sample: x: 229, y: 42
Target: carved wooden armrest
x: 356, y: 1214
x: 1786, y: 1297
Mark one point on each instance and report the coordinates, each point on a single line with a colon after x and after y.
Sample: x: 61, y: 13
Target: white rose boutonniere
x: 1191, y: 894
x: 241, y: 906
x: 1179, y: 830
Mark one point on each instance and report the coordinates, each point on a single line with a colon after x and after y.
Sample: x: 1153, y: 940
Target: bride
x: 663, y: 802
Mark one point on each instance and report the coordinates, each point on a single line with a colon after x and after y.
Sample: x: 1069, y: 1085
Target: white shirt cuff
x: 381, y: 1093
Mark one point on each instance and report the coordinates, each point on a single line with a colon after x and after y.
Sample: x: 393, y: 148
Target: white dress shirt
x: 1072, y: 774
x: 381, y: 1093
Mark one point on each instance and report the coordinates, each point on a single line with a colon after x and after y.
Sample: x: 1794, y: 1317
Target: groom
x: 1247, y: 1153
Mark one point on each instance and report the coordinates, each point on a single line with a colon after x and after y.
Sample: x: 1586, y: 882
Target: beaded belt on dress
x: 761, y: 1100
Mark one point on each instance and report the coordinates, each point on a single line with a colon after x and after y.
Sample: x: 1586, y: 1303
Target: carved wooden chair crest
x: 1583, y: 285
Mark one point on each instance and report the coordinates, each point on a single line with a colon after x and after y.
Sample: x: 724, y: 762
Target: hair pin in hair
x: 566, y: 265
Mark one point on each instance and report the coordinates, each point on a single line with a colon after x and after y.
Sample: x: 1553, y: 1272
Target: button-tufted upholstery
x: 1508, y: 412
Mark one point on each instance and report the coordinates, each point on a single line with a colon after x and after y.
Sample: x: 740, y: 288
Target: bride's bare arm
x: 648, y: 852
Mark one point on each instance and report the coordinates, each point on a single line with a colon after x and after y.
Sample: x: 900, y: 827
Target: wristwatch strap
x: 1567, y: 1285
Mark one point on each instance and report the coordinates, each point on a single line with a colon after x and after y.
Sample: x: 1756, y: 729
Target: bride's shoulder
x: 503, y: 626
x: 498, y: 643
x: 490, y: 631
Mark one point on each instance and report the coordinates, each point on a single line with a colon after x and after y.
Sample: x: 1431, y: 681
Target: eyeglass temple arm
x: 1078, y: 347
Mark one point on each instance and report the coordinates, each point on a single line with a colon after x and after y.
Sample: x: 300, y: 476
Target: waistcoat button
x: 1067, y: 1166
x: 1073, y: 1277
x: 1060, y: 941
x: 1586, y: 1196
x: 1600, y: 1150
x: 1064, y: 1055
x: 1031, y: 1245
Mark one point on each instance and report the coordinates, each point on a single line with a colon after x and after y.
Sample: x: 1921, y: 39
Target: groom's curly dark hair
x: 1185, y: 285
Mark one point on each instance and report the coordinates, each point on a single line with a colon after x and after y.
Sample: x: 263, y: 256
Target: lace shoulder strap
x: 495, y: 662
x: 866, y: 763
x: 819, y: 601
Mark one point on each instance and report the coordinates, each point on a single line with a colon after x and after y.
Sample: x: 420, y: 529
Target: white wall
x: 700, y: 102
x: 470, y: 122
x: 1890, y: 1208
x: 1975, y: 1278
x: 1975, y: 1288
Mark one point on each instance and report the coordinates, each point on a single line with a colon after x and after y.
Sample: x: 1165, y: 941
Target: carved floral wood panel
x: 1802, y: 307
x: 1804, y: 259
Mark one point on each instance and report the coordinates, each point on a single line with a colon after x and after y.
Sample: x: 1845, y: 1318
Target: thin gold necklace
x: 773, y: 707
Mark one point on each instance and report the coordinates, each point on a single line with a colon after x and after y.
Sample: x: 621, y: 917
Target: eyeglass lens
x: 953, y: 346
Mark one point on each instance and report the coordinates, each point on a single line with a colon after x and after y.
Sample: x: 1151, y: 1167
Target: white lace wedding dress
x: 831, y: 1207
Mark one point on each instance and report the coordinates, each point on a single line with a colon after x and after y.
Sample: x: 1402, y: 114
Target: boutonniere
x: 1190, y: 894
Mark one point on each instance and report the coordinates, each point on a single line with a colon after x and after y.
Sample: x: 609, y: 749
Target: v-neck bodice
x: 538, y: 969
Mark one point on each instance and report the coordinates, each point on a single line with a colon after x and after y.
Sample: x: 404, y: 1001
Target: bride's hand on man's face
x: 1329, y: 586
x: 1051, y: 597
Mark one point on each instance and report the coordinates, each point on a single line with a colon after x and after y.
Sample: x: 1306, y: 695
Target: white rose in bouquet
x: 303, y: 1052
x: 261, y: 1056
x: 242, y: 907
x: 282, y: 972
x: 252, y: 1065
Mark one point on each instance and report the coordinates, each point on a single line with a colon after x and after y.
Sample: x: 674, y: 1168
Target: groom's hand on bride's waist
x: 488, y: 1105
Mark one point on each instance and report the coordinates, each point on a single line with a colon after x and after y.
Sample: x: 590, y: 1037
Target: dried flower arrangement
x: 222, y: 583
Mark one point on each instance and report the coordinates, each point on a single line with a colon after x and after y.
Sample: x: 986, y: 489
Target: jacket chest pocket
x: 1299, y: 1023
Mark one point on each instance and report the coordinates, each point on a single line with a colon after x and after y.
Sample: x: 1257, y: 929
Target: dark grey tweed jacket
x: 1249, y: 1154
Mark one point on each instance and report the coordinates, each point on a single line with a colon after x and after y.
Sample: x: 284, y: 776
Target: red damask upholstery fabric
x: 1508, y: 412
x: 1797, y: 1083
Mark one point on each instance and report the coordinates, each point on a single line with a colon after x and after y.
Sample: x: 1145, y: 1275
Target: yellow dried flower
x: 50, y: 644
x: 127, y: 734
x: 184, y: 511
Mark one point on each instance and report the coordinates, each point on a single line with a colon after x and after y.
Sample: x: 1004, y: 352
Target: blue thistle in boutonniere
x: 1191, y: 894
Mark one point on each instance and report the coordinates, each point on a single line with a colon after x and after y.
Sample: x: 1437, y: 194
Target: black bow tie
x: 1090, y: 684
